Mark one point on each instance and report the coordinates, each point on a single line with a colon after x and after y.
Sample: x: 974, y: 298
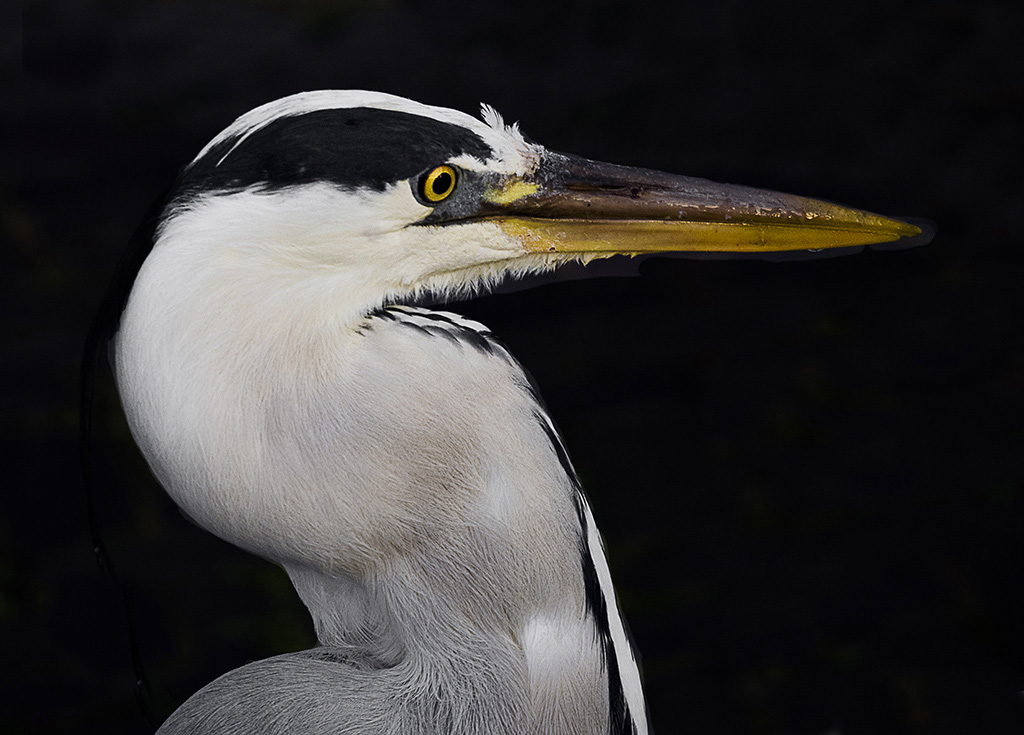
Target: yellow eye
x: 438, y: 184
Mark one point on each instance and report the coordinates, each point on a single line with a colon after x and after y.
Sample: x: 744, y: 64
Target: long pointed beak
x: 575, y: 205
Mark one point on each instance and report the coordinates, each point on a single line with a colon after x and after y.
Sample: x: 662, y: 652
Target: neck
x: 442, y: 544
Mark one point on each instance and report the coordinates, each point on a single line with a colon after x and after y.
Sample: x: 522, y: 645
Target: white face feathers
x: 324, y: 192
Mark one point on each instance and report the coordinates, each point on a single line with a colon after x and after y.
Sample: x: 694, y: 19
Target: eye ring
x: 438, y: 184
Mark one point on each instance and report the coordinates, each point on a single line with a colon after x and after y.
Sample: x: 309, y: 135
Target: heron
x: 292, y: 395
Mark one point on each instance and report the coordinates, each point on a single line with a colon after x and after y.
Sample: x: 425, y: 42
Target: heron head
x: 388, y: 198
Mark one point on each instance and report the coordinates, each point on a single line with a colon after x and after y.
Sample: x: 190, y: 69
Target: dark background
x: 808, y: 474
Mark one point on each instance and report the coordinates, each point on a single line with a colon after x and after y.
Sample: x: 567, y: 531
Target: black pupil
x: 441, y: 183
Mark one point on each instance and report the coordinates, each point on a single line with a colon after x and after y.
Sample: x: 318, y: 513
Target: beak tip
x: 913, y: 232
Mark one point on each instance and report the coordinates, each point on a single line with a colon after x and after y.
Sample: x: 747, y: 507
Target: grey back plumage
x: 329, y: 690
